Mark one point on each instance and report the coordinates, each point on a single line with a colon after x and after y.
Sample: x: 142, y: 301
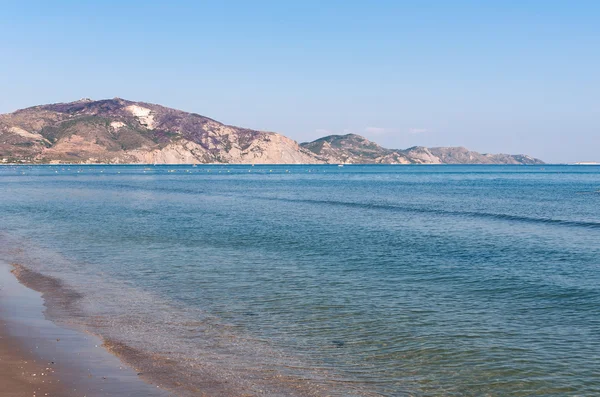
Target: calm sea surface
x: 383, y: 280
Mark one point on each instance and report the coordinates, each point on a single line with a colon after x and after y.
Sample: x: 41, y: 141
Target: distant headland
x: 118, y: 131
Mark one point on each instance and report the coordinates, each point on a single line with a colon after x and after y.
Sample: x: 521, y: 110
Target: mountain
x: 120, y: 131
x: 460, y: 155
x: 355, y: 149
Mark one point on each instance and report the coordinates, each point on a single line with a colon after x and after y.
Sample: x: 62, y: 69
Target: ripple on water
x: 385, y: 280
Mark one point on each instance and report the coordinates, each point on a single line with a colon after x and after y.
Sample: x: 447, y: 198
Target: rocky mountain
x: 121, y: 131
x: 356, y: 149
x: 460, y: 155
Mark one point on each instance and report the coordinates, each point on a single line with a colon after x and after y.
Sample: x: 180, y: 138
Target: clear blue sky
x: 494, y: 76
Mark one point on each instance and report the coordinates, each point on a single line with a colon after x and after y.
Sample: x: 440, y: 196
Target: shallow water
x: 72, y: 359
x: 389, y: 280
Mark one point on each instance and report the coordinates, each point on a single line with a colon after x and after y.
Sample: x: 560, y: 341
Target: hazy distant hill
x: 356, y: 149
x: 122, y: 131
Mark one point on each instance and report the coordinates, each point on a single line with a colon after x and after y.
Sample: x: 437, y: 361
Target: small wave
x: 379, y: 206
x: 488, y: 215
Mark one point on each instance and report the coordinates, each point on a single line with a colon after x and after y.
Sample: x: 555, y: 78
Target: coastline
x: 229, y: 278
x: 88, y: 363
x: 40, y: 358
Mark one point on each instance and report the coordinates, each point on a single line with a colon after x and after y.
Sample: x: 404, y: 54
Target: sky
x: 493, y: 76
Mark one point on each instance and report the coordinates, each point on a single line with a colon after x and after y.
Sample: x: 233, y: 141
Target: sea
x: 375, y: 280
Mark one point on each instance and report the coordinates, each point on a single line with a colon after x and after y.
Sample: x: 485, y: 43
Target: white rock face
x: 174, y: 153
x: 423, y: 155
x: 117, y: 124
x: 26, y: 134
x: 143, y: 114
x: 276, y: 150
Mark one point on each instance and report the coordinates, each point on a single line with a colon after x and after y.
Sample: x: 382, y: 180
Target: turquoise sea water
x: 380, y: 280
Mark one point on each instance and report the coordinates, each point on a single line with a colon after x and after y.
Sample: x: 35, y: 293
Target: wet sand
x: 93, y: 366
x: 22, y: 375
x: 40, y: 358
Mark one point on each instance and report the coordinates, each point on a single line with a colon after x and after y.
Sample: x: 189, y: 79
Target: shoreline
x: 105, y: 367
x: 41, y: 358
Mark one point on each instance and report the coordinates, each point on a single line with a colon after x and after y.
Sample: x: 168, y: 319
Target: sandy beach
x: 40, y: 358
x: 82, y: 364
x: 23, y: 375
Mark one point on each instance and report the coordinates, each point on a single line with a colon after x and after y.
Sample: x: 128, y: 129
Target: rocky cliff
x: 121, y: 131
